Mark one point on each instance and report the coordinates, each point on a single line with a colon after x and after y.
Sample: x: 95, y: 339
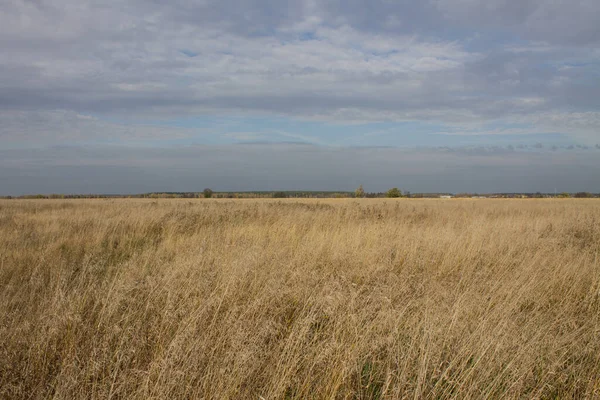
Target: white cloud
x: 39, y: 128
x: 346, y: 62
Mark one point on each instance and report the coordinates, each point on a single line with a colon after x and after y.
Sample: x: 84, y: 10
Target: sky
x: 429, y: 96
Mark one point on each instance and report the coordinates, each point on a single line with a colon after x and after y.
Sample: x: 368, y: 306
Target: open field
x: 297, y: 299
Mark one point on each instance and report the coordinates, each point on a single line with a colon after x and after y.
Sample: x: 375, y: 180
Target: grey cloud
x: 252, y: 18
x: 403, y: 16
x: 562, y: 21
x: 369, y: 60
x: 293, y: 167
x: 43, y: 128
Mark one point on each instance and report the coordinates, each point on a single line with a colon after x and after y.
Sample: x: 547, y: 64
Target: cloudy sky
x: 431, y: 95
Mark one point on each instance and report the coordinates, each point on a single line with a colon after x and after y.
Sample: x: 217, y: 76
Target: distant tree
x: 207, y: 193
x: 583, y: 195
x: 394, y: 192
x: 564, y: 195
x: 279, y: 195
x: 359, y: 192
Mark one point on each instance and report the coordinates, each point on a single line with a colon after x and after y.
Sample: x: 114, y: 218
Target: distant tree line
x: 360, y: 192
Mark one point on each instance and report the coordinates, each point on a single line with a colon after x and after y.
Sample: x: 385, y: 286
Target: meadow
x: 299, y: 299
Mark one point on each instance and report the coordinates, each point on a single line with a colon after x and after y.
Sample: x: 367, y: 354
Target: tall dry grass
x: 299, y: 299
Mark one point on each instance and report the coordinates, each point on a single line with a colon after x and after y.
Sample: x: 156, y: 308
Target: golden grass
x: 254, y: 299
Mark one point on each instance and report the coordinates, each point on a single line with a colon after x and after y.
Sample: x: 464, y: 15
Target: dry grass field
x: 287, y: 299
